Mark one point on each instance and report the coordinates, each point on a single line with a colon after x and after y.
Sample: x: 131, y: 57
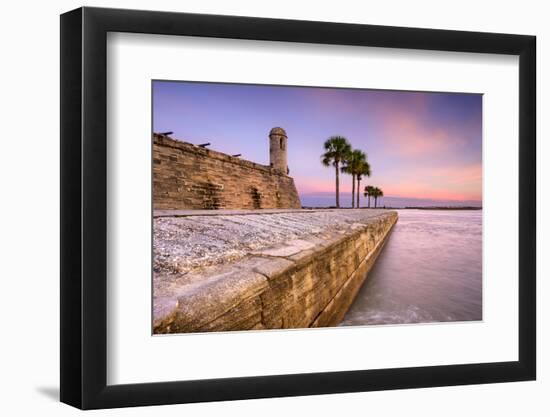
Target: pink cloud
x: 434, y: 182
x: 322, y: 185
x: 448, y: 183
x: 406, y: 135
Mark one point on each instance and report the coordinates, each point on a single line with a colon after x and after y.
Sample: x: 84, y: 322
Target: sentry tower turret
x: 277, y: 150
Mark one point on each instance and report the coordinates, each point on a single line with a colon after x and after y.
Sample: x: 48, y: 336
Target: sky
x: 421, y: 145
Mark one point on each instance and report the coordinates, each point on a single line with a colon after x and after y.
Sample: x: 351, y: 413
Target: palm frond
x: 337, y: 149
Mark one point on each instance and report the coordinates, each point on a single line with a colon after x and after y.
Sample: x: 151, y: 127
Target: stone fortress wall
x: 187, y: 176
x: 309, y: 281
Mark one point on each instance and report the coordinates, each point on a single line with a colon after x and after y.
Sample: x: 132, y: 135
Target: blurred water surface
x: 430, y: 270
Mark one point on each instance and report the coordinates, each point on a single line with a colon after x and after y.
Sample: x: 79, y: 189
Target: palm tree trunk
x: 352, y: 190
x: 375, y: 200
x: 368, y: 199
x: 358, y: 193
x: 337, y: 185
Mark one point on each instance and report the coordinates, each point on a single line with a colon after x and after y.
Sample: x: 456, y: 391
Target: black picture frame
x: 84, y: 207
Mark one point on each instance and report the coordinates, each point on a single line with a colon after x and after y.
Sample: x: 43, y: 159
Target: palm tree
x: 369, y: 189
x: 377, y: 193
x: 364, y: 170
x: 353, y: 165
x: 337, y: 149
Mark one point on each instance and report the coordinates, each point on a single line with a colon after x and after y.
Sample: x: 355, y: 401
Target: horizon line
x: 332, y: 193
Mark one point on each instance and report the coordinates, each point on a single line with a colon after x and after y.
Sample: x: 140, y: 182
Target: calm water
x: 428, y: 271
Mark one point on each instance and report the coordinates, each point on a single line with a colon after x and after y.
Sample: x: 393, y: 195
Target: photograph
x: 274, y: 204
x: 293, y: 207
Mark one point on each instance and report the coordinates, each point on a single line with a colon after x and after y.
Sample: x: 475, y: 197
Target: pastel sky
x: 419, y: 144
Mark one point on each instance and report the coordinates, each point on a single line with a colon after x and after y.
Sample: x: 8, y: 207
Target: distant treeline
x: 443, y: 208
x: 399, y: 208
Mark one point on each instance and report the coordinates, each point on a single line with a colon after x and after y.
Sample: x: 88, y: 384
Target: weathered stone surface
x: 191, y: 240
x: 308, y: 280
x: 186, y: 176
x: 229, y: 297
x: 336, y: 309
x: 291, y: 247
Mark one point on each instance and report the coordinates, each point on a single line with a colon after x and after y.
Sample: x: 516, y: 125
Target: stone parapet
x: 186, y: 176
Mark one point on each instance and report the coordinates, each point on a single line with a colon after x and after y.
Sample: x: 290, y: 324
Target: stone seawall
x: 186, y: 176
x: 289, y: 269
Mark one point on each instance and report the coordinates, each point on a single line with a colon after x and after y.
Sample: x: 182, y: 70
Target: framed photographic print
x: 257, y: 207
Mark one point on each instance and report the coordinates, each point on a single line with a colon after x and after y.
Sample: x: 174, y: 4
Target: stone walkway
x: 186, y: 241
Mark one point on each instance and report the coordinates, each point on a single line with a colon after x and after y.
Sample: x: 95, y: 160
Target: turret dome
x: 278, y: 131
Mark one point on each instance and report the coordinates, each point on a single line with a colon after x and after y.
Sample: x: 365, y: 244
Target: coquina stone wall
x: 310, y: 282
x: 186, y: 176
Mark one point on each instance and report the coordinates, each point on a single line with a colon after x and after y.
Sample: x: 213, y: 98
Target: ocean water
x: 430, y: 270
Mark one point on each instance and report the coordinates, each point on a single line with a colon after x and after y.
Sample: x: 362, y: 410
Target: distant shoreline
x: 396, y: 208
x: 443, y: 208
x: 328, y: 200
